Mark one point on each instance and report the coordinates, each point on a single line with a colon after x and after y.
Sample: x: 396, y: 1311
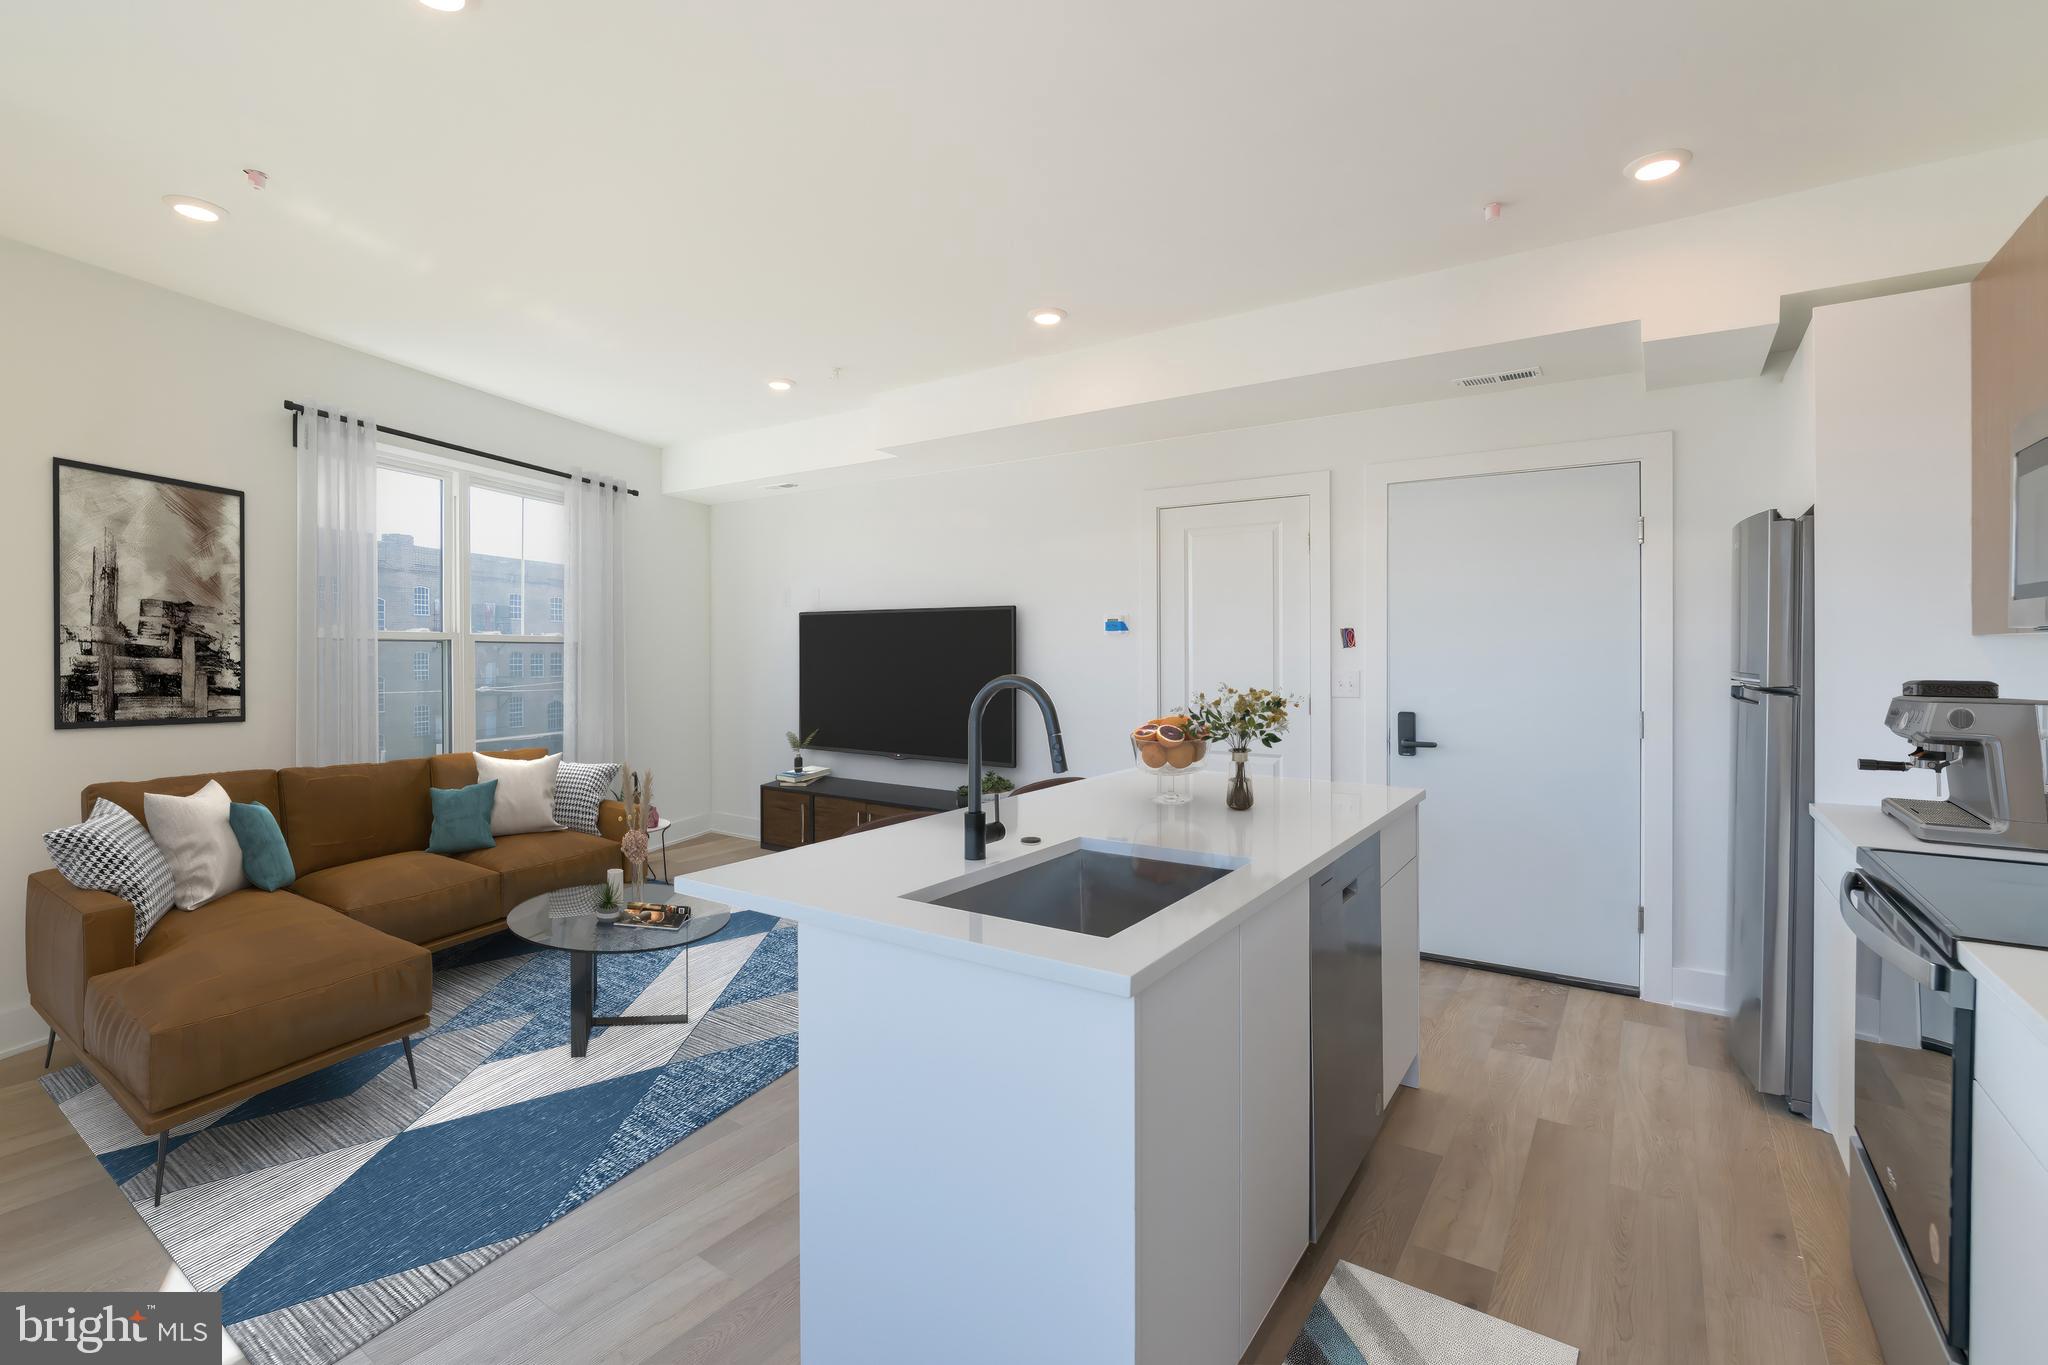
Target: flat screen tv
x: 900, y: 682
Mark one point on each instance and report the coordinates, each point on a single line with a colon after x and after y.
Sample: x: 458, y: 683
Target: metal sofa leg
x: 49, y: 1049
x: 163, y: 1150
x: 410, y: 1069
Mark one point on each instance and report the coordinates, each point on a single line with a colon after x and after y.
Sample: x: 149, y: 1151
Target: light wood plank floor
x: 1583, y: 1164
x: 1593, y: 1168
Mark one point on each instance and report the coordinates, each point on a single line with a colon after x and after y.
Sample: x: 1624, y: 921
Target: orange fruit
x: 1153, y: 754
x: 1181, y: 755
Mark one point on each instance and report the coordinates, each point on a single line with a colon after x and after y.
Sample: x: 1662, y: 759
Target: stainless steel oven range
x: 1911, y: 1190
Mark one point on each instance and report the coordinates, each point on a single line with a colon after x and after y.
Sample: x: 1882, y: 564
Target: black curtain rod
x: 296, y: 409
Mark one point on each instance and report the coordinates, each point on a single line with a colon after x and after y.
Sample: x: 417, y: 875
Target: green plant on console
x: 992, y: 784
x: 797, y: 745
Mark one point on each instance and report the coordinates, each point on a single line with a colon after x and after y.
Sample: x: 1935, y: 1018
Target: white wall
x: 1892, y: 597
x: 1067, y: 540
x: 98, y: 367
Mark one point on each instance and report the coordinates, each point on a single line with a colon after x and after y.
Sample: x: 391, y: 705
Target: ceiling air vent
x: 1499, y: 377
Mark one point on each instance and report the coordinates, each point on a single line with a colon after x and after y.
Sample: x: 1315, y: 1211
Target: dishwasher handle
x: 1879, y: 927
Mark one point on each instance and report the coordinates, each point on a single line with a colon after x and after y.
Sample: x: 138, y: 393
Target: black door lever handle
x: 1405, y: 742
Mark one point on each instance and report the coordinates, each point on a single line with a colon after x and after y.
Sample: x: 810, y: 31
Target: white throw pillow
x: 194, y: 833
x: 525, y: 802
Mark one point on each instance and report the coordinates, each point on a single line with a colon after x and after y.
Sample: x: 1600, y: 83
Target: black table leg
x: 163, y: 1151
x: 49, y: 1049
x: 582, y: 1000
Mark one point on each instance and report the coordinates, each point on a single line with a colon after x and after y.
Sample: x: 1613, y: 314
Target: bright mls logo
x: 164, y: 1328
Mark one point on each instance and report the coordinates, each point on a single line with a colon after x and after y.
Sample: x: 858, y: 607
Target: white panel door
x: 1514, y: 624
x: 1234, y: 609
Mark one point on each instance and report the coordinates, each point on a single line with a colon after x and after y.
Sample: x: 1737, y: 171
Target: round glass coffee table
x: 567, y: 919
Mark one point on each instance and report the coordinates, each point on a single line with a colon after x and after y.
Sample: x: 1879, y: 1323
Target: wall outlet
x: 1347, y: 683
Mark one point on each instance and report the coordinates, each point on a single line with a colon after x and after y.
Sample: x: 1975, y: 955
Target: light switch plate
x: 1347, y: 683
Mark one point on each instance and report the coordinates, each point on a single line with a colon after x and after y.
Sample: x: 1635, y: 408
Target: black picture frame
x: 62, y: 536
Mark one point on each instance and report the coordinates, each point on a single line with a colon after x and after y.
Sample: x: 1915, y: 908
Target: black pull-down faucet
x: 977, y: 822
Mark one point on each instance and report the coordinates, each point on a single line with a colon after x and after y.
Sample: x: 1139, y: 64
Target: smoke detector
x: 1499, y: 377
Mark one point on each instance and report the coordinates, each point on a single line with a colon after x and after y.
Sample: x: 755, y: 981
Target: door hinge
x: 1639, y: 919
x: 1642, y: 725
x: 1642, y: 531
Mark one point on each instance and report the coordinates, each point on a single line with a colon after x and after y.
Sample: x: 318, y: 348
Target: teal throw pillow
x: 265, y: 859
x: 462, y: 818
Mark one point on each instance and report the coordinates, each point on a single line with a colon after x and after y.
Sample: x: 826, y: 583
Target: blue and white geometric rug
x: 327, y: 1209
x: 1364, y: 1318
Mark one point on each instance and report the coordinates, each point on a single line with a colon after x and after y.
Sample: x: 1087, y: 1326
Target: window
x: 380, y: 691
x: 467, y: 549
x: 514, y: 550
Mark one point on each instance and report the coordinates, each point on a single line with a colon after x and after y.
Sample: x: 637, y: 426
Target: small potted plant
x: 1241, y: 717
x: 797, y: 745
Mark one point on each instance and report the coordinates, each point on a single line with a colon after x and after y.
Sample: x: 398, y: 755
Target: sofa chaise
x: 258, y: 988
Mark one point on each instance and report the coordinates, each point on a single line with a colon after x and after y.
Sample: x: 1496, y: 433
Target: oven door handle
x: 1876, y: 931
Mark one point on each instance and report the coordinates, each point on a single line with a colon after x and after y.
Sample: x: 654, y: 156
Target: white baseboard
x: 21, y: 1028
x: 738, y: 826
x: 1696, y: 988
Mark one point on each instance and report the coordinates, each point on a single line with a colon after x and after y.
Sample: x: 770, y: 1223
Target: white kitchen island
x: 1031, y: 1144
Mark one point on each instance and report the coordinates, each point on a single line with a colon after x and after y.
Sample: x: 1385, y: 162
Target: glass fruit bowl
x: 1169, y: 752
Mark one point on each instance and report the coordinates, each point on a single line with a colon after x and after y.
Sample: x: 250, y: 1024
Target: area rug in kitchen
x: 327, y: 1209
x: 1363, y: 1318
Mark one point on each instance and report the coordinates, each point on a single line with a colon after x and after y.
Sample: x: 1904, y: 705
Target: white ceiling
x: 633, y: 213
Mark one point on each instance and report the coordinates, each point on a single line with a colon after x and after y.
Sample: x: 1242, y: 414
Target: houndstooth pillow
x: 579, y: 787
x: 111, y: 851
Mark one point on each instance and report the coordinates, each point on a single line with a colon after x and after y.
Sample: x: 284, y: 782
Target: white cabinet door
x: 2009, y: 1208
x: 1273, y: 976
x: 1834, y: 1021
x: 1400, y: 976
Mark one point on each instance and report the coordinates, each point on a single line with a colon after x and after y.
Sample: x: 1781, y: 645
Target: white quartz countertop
x: 860, y: 883
x: 1869, y: 827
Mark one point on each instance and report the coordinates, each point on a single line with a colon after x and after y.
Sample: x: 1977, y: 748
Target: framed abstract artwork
x: 149, y: 599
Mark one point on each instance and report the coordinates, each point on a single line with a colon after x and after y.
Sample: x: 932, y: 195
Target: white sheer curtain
x: 337, y: 703
x: 594, y: 626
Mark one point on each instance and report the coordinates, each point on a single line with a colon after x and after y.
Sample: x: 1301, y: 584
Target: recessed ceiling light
x: 1048, y: 317
x: 445, y: 6
x: 1657, y: 165
x: 198, y: 210
x: 782, y: 385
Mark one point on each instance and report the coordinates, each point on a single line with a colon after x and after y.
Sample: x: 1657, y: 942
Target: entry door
x: 1234, y: 609
x: 1514, y: 635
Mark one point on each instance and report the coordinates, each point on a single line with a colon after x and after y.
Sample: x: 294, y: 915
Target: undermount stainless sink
x: 1095, y: 887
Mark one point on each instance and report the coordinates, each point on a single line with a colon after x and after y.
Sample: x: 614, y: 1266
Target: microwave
x: 2028, y: 607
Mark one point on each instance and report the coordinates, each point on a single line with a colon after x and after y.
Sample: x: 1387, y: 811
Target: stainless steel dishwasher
x: 1346, y: 1024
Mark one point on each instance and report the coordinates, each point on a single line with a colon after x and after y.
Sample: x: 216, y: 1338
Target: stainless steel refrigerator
x: 1770, y: 840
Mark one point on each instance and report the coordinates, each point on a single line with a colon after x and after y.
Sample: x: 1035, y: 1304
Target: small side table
x: 660, y: 834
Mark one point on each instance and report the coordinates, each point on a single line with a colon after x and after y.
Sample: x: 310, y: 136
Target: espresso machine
x: 1988, y: 751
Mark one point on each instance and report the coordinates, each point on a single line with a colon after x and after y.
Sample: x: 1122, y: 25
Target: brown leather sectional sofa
x: 260, y: 987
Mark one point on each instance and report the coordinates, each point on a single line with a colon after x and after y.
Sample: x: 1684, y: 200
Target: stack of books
x: 801, y: 777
